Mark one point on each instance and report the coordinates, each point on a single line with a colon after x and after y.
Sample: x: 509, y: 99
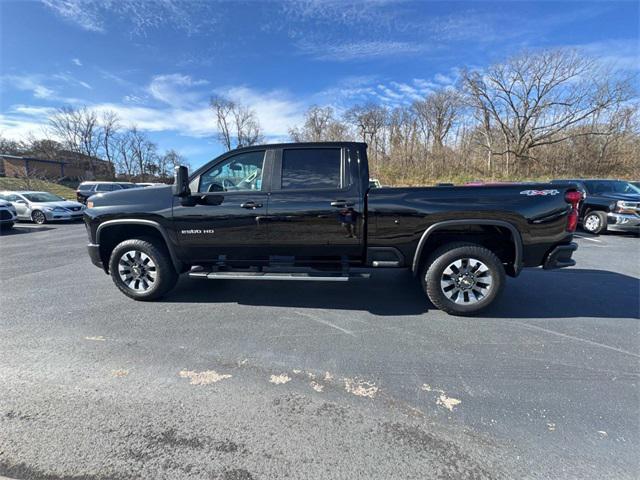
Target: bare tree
x: 370, y: 121
x: 320, y: 125
x: 144, y: 153
x: 437, y: 114
x: 109, y: 124
x: 538, y: 99
x: 237, y: 124
x: 123, y: 154
x: 168, y: 161
x: 79, y: 131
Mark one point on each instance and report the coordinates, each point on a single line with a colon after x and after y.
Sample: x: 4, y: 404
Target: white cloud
x: 443, y: 79
x: 175, y: 89
x: 76, y: 61
x: 140, y: 15
x: 343, y: 52
x: 276, y: 111
x: 27, y: 83
x: 82, y: 13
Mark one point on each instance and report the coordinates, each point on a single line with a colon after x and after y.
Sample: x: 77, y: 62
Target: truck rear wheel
x: 142, y: 269
x: 462, y: 278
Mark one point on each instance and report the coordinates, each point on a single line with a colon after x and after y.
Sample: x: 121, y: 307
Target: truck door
x: 231, y: 200
x: 315, y: 205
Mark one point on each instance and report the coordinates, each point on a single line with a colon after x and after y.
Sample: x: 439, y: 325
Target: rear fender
x: 515, y: 237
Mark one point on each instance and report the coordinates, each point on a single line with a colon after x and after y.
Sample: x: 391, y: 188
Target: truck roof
x: 301, y: 144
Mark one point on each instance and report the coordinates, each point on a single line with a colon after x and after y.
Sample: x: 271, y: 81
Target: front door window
x: 240, y: 173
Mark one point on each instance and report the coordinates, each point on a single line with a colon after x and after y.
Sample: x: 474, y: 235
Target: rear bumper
x: 94, y: 254
x: 560, y: 257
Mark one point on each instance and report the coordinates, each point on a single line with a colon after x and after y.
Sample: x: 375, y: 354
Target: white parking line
x: 579, y: 339
x: 590, y: 239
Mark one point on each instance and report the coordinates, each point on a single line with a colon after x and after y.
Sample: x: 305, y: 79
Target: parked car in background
x: 43, y: 207
x: 608, y: 204
x: 86, y: 189
x: 8, y: 215
x: 150, y: 184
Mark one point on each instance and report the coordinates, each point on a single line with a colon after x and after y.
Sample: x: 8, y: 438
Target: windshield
x: 42, y: 197
x: 611, y: 186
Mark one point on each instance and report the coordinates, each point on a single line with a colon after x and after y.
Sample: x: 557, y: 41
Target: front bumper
x: 8, y: 216
x: 623, y: 221
x: 54, y: 216
x: 560, y: 257
x: 94, y: 254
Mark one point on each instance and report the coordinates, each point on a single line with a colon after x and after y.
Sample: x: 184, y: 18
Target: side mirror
x: 21, y: 202
x: 181, y: 182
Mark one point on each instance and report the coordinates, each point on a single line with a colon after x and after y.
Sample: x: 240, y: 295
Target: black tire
x: 595, y: 222
x: 163, y: 273
x: 476, y: 290
x: 38, y: 217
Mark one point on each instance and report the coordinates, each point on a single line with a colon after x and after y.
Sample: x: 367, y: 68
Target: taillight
x: 573, y: 198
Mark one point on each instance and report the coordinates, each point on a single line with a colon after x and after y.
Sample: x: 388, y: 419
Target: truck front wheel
x: 595, y: 222
x: 142, y: 269
x: 463, y: 279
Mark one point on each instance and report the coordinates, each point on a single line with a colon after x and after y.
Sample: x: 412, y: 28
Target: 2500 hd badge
x: 197, y: 232
x: 305, y: 211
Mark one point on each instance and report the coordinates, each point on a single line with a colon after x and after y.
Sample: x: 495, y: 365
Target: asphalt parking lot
x: 237, y: 380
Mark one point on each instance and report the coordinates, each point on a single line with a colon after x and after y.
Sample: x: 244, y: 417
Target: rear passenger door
x: 315, y: 206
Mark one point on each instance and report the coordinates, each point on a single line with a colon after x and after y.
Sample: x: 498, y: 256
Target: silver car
x: 43, y: 207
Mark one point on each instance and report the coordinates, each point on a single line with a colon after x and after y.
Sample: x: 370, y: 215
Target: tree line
x: 131, y: 154
x: 538, y: 114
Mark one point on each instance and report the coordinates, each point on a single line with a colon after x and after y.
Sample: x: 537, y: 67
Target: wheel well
x: 495, y: 238
x: 112, y: 235
x: 595, y: 209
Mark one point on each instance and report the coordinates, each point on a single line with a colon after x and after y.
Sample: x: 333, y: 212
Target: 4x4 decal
x: 534, y: 193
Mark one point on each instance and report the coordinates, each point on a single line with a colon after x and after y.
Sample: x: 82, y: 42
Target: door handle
x: 341, y: 204
x: 251, y: 205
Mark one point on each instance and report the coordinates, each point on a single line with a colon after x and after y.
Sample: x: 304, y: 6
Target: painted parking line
x: 588, y: 238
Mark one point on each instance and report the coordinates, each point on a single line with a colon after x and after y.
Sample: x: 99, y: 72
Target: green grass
x: 7, y: 183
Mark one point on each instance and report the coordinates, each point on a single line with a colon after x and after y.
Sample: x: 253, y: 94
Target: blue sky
x: 157, y: 63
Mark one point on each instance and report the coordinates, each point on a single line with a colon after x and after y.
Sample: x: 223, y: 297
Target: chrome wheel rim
x: 466, y: 281
x: 38, y: 217
x: 592, y: 222
x: 137, y: 270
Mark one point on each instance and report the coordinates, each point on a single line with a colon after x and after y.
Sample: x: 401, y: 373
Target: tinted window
x: 240, y: 173
x: 311, y: 168
x: 104, y: 187
x: 86, y: 188
x: 610, y: 186
x: 42, y: 197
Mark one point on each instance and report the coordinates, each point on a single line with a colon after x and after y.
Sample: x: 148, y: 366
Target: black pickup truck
x: 608, y: 205
x: 307, y: 212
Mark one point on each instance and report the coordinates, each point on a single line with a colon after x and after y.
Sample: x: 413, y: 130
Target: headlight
x: 89, y: 204
x: 626, y: 207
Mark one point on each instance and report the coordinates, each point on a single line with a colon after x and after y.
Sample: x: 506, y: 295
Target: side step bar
x: 314, y: 277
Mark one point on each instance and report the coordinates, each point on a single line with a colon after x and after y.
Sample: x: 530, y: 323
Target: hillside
x: 7, y: 183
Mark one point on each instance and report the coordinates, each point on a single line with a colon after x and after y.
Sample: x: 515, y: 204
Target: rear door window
x: 311, y: 168
x: 104, y: 187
